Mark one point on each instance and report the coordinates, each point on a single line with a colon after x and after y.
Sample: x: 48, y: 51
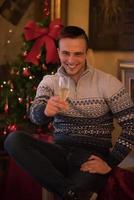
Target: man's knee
x: 13, y: 141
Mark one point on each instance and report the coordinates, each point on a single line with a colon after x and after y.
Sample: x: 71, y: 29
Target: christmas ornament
x: 50, y: 127
x: 6, y: 108
x: 43, y: 37
x: 26, y: 72
x: 46, y: 8
x: 11, y: 128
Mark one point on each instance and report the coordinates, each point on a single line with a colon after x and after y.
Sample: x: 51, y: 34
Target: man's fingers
x: 87, y: 167
x: 93, y: 157
x: 55, y: 101
x: 54, y: 106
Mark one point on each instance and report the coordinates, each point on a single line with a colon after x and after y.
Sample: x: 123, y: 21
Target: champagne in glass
x: 63, y: 87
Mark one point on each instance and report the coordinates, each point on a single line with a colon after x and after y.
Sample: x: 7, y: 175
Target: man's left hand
x: 95, y: 165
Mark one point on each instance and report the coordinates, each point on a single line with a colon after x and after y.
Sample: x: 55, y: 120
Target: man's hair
x: 74, y: 32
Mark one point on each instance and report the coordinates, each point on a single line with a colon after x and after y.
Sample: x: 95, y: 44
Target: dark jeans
x: 55, y: 167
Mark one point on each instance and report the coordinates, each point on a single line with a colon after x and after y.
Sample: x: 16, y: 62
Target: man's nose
x: 71, y: 60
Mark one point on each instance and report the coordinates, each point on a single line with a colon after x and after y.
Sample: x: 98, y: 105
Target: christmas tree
x: 39, y: 57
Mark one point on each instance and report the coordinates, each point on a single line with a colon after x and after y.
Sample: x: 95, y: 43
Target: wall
x: 11, y: 35
x: 78, y: 14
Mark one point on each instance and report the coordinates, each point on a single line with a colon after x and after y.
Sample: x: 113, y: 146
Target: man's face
x: 72, y: 54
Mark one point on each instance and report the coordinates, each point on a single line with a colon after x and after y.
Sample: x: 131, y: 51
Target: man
x: 80, y: 159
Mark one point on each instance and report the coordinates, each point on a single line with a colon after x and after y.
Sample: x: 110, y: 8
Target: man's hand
x: 95, y: 165
x: 54, y: 106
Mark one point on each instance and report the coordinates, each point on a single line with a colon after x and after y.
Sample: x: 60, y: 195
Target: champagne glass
x: 63, y: 87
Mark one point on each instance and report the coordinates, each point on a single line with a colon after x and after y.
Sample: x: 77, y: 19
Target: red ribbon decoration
x: 43, y: 37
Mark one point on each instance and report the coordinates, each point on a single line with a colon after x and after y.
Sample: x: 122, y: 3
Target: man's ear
x: 58, y: 50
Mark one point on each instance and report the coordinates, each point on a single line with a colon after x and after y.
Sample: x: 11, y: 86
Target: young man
x: 80, y: 159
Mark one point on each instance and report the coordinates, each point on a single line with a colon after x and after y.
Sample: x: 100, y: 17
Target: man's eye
x: 65, y: 53
x: 78, y: 54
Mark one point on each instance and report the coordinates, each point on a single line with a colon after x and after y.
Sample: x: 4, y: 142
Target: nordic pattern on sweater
x: 89, y: 120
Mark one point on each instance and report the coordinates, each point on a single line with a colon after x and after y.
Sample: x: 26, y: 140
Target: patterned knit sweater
x: 94, y: 102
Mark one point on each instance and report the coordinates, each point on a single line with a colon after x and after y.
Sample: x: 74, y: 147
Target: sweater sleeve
x: 43, y: 93
x: 122, y: 108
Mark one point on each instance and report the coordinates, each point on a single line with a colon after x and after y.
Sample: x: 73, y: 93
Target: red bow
x: 42, y: 36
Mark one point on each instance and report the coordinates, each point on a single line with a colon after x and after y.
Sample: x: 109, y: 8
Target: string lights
x: 17, y: 93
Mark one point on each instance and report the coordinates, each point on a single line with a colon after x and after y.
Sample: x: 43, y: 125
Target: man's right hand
x: 54, y: 106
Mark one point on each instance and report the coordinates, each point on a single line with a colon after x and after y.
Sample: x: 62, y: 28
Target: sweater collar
x: 61, y: 71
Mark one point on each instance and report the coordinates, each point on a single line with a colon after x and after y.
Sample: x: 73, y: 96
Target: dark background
x: 116, y: 32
